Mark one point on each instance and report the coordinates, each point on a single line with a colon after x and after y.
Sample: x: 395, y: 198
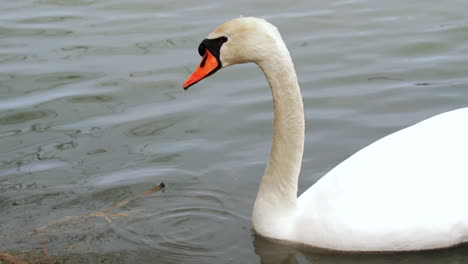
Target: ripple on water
x: 28, y: 83
x: 132, y: 175
x: 68, y: 2
x: 17, y: 167
x: 47, y: 19
x: 23, y: 117
x: 31, y: 90
x: 28, y: 32
x: 9, y: 58
x: 190, y: 225
x: 152, y: 128
x: 90, y: 99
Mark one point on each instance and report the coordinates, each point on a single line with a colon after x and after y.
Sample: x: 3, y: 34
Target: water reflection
x: 272, y: 252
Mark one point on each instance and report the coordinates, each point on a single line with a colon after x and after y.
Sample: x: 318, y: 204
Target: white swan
x: 406, y: 191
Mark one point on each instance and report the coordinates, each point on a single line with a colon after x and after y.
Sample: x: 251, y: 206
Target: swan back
x: 406, y: 191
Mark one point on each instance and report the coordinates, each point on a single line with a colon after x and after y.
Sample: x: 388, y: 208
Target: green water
x: 92, y: 112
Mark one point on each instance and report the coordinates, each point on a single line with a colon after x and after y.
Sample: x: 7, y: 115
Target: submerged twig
x: 107, y: 214
x: 124, y: 202
x: 10, y: 259
x: 6, y: 234
x: 43, y: 245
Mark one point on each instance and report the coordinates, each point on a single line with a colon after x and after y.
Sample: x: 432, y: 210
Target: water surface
x: 92, y: 112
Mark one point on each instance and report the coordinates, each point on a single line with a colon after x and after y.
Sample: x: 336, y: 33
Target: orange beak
x: 208, y: 66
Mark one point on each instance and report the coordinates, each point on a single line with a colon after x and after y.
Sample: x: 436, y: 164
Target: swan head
x: 241, y: 40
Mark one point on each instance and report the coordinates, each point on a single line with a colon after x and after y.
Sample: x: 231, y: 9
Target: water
x: 92, y: 112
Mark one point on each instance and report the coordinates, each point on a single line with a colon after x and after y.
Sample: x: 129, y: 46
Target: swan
x: 407, y: 191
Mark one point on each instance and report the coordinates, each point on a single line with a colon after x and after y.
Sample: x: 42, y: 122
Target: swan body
x: 406, y: 191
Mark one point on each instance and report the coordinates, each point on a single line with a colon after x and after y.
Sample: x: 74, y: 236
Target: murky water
x: 92, y: 112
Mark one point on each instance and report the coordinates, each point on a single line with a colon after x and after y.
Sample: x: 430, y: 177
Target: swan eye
x: 201, y: 49
x: 213, y: 45
x: 221, y: 40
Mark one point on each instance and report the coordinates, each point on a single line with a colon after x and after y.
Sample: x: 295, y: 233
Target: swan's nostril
x: 202, y: 64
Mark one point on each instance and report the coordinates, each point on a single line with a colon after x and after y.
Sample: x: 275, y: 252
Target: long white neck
x: 278, y: 189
